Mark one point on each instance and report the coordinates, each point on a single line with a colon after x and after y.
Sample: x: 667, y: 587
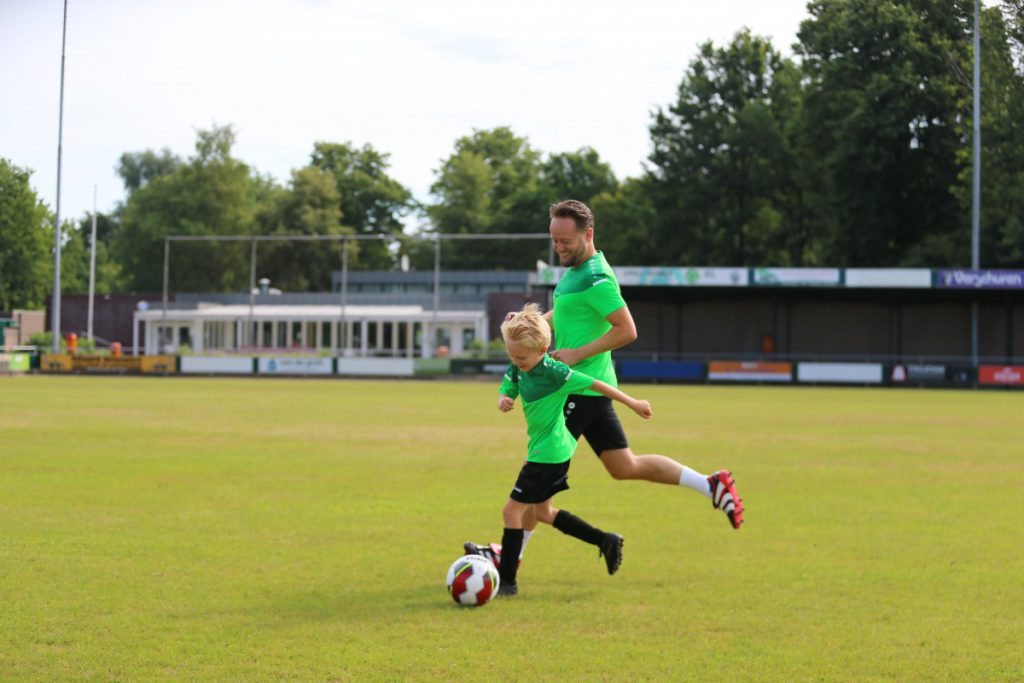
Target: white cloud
x: 408, y: 78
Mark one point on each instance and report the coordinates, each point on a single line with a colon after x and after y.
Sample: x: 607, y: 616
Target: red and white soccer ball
x: 472, y: 581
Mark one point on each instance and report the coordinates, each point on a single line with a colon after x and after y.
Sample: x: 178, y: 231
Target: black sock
x: 511, y: 546
x: 568, y: 523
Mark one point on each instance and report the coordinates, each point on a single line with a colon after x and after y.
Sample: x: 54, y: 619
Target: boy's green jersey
x: 543, y: 390
x: 583, y: 298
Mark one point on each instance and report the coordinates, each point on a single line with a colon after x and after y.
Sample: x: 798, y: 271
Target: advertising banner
x: 916, y: 278
x: 159, y: 365
x: 14, y: 362
x: 50, y: 362
x: 682, y: 277
x: 980, y: 279
x: 478, y: 366
x: 743, y: 371
x: 217, y: 365
x: 931, y: 373
x: 295, y: 365
x: 1001, y: 375
x: 817, y: 277
x: 840, y: 373
x: 638, y: 369
x: 377, y: 367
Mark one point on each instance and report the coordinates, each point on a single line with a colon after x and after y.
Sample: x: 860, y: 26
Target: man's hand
x: 568, y: 356
x: 506, y: 403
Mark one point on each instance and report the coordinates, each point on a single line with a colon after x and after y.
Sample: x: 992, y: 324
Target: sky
x: 408, y: 78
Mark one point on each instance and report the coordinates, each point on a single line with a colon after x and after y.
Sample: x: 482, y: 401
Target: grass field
x: 227, y: 529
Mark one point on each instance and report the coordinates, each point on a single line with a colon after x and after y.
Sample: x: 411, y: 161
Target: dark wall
x: 824, y: 323
x: 112, y: 316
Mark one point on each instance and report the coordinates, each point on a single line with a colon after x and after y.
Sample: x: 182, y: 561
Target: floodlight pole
x: 92, y: 266
x: 343, y: 333
x: 976, y: 191
x: 167, y: 270
x: 55, y: 302
x: 251, y: 331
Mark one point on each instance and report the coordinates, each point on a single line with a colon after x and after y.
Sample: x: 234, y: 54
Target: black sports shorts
x: 594, y: 418
x: 538, y: 481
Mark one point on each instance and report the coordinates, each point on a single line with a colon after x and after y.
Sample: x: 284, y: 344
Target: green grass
x: 227, y: 529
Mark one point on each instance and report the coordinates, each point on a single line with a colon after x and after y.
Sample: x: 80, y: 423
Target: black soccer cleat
x: 507, y: 590
x: 611, y: 549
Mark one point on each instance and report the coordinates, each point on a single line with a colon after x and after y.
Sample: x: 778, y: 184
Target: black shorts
x: 538, y: 481
x: 594, y: 418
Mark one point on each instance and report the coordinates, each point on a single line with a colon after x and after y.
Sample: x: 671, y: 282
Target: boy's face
x: 524, y: 358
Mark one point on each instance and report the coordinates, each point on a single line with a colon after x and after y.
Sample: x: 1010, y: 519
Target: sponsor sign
x: 220, y: 365
x: 742, y: 371
x: 840, y: 373
x: 295, y: 365
x: 50, y: 362
x: 478, y: 366
x: 980, y: 279
x: 637, y: 369
x: 1002, y: 375
x: 917, y: 278
x: 682, y: 277
x: 818, y: 277
x: 377, y: 367
x: 14, y: 362
x: 930, y: 373
x: 432, y: 366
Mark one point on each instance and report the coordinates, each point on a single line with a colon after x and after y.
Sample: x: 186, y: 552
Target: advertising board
x: 744, y: 371
x: 295, y: 365
x: 377, y: 367
x: 840, y: 373
x: 216, y: 365
x: 672, y: 370
x: 934, y: 374
x: 1001, y: 375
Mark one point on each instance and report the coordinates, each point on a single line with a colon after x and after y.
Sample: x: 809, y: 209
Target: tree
x: 724, y: 181
x: 309, y: 207
x: 490, y: 184
x: 880, y: 119
x: 577, y: 175
x: 140, y: 168
x: 1002, y: 139
x: 370, y: 201
x: 25, y: 242
x: 624, y: 220
x: 212, y: 194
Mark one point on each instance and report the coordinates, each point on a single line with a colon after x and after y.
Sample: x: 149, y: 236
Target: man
x: 589, y: 320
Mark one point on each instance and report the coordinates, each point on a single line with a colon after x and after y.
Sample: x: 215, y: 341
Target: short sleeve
x: 604, y: 297
x: 510, y: 382
x: 571, y: 381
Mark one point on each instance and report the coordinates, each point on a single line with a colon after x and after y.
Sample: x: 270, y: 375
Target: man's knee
x: 620, y: 463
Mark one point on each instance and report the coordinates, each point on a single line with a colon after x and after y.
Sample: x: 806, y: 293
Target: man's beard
x: 573, y: 260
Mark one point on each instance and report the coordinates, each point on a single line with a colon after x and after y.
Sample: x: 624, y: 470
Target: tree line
x: 854, y: 151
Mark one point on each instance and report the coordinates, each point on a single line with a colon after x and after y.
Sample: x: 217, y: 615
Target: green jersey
x: 543, y: 390
x: 583, y: 298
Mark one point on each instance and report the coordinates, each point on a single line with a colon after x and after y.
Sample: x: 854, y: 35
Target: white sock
x: 694, y: 480
x: 526, y: 538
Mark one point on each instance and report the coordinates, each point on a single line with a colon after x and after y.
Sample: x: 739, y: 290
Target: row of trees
x: 855, y: 151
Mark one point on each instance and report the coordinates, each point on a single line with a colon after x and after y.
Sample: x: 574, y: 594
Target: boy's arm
x: 640, y: 407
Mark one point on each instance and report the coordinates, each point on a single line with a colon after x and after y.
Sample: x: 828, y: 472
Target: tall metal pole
x: 976, y: 192
x: 92, y: 266
x: 251, y: 331
x: 167, y: 270
x: 343, y: 333
x: 55, y: 302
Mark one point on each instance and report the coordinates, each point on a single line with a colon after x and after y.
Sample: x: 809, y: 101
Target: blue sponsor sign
x: 638, y: 369
x: 980, y: 279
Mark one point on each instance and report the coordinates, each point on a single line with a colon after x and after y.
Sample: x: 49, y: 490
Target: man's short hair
x: 576, y: 210
x: 527, y: 327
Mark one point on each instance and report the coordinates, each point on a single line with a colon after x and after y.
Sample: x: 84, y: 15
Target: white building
x: 396, y: 331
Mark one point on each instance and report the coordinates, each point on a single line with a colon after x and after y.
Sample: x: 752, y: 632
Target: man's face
x: 571, y: 244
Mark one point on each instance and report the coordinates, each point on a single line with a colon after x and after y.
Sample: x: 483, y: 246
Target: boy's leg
x: 512, y: 543
x: 608, y: 544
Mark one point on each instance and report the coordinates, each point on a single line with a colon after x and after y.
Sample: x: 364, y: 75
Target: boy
x: 543, y: 383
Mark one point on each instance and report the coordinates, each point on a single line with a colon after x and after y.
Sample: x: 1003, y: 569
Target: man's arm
x: 622, y: 332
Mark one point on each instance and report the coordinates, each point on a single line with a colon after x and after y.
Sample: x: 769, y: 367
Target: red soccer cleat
x: 724, y: 496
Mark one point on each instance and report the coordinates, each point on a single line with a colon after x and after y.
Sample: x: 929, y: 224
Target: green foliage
x: 26, y: 241
x: 724, y: 180
x: 370, y: 200
x: 212, y: 194
x: 245, y: 542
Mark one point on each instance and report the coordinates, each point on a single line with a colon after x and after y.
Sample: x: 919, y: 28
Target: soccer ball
x: 472, y: 581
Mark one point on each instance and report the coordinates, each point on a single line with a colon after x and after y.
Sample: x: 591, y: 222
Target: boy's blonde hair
x: 527, y: 327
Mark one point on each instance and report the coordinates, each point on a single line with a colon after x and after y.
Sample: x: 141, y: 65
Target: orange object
x: 72, y: 339
x: 115, y: 349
